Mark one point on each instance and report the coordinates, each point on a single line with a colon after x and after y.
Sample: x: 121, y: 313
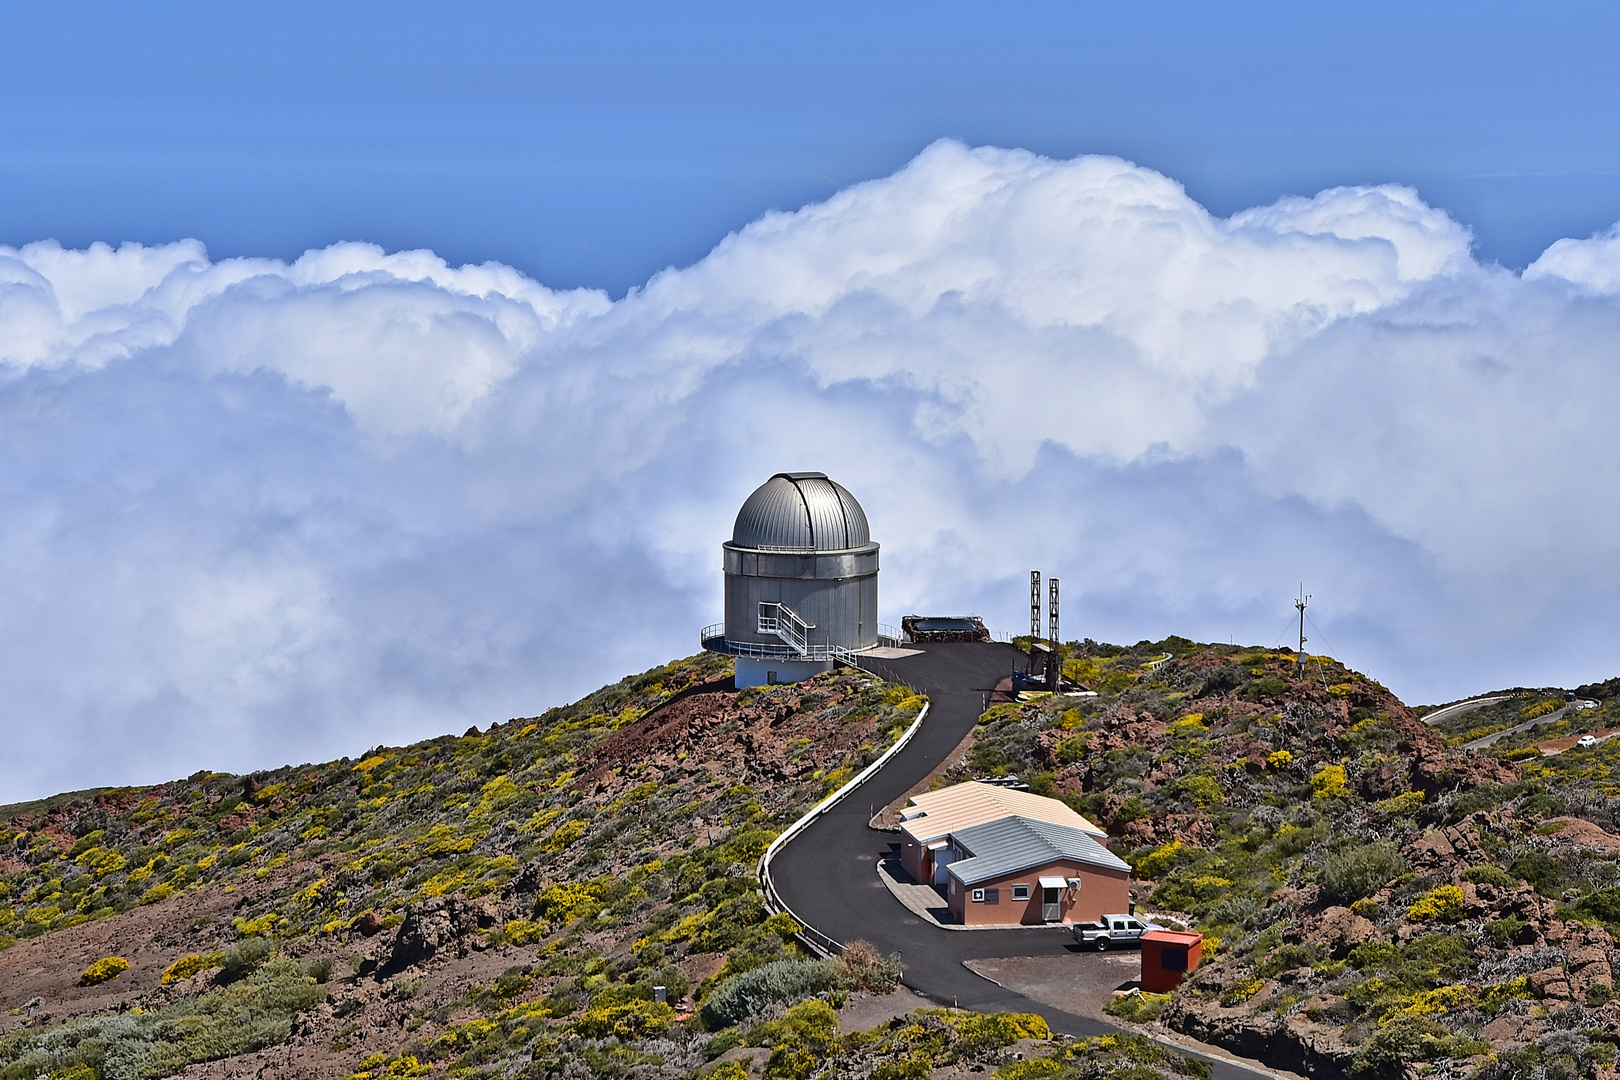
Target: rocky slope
x: 1377, y: 901
x: 507, y: 896
x: 507, y: 902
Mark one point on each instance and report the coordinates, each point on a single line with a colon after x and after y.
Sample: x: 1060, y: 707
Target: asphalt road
x: 1462, y: 707
x: 1491, y: 740
x: 828, y: 874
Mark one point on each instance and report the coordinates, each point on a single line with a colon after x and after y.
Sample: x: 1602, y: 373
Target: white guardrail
x: 817, y: 941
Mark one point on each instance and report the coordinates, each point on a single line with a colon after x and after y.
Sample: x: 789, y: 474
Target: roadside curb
x: 815, y: 940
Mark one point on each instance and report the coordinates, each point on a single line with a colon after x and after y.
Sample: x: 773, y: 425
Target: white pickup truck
x: 1112, y: 930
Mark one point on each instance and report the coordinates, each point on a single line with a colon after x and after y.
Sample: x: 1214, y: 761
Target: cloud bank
x: 257, y: 512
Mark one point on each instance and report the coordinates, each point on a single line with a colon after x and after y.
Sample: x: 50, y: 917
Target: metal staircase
x: 784, y: 622
x: 780, y: 621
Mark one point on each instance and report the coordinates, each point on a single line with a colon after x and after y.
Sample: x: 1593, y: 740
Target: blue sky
x: 594, y: 144
x: 345, y: 396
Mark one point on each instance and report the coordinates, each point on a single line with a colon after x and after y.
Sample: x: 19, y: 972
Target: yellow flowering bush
x: 1191, y: 724
x: 1330, y: 782
x: 191, y: 964
x: 1408, y: 802
x: 565, y: 834
x: 1442, y: 999
x: 104, y: 970
x: 1444, y: 904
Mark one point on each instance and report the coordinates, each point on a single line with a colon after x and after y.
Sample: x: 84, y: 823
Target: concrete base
x: 754, y: 671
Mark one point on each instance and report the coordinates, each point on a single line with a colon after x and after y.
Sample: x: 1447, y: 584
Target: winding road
x: 828, y: 873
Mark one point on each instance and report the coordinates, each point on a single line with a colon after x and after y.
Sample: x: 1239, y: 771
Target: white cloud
x: 257, y: 511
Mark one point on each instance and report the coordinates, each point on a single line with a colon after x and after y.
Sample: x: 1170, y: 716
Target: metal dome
x: 801, y: 511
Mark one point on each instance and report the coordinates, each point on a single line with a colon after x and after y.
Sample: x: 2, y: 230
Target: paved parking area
x: 1082, y: 982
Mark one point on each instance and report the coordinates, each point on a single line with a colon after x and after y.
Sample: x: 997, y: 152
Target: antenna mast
x: 1300, y: 604
x: 1054, y: 661
x: 1034, y: 605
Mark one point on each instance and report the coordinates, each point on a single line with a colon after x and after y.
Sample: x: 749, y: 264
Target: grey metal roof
x: 801, y: 511
x: 1010, y: 844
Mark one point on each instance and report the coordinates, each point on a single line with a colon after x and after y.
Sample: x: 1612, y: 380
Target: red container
x: 1167, y: 958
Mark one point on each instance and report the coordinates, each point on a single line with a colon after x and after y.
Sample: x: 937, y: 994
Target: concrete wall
x: 1102, y: 892
x: 754, y: 671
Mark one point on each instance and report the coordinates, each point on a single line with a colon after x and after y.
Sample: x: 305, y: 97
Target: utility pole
x: 1054, y: 662
x: 1034, y: 605
x: 1300, y: 604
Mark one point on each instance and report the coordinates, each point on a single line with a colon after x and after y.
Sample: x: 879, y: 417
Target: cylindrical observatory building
x: 801, y: 581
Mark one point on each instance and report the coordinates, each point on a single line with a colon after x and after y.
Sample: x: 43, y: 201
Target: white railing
x: 817, y: 941
x: 714, y: 636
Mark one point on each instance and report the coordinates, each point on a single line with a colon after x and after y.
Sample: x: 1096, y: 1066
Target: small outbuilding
x: 1168, y: 957
x: 926, y: 825
x: 1021, y: 871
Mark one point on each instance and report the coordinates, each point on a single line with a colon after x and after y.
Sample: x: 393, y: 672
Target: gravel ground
x: 1081, y: 983
x: 863, y: 1012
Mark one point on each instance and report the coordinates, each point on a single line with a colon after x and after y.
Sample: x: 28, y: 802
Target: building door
x: 1049, y: 904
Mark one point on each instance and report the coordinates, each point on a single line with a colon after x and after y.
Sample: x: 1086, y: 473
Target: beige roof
x: 934, y: 814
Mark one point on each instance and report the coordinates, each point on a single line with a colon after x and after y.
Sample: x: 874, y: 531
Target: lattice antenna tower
x: 1034, y: 605
x: 1052, y: 614
x: 1300, y: 604
x: 1054, y: 659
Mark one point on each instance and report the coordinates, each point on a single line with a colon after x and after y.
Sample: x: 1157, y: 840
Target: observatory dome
x: 801, y: 581
x: 801, y: 511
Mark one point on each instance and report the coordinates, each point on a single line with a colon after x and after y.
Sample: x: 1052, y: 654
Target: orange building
x: 1023, y: 871
x: 1167, y: 958
x: 926, y: 825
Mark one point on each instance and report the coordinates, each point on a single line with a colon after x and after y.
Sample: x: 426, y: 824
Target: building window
x: 1020, y: 892
x: 1173, y: 959
x: 978, y: 896
x: 770, y: 678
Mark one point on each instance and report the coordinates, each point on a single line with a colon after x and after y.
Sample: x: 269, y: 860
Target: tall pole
x: 1034, y: 605
x: 1054, y: 660
x: 1300, y: 604
x: 1052, y: 614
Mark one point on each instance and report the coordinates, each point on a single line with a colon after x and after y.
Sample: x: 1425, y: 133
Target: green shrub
x: 1489, y: 875
x: 1286, y: 958
x: 745, y: 997
x: 1539, y: 869
x: 1358, y: 872
x: 1138, y: 1008
x: 245, y: 957
x: 1505, y: 931
x: 250, y: 1015
x: 1267, y: 687
x: 1405, y: 1038
x: 1603, y: 904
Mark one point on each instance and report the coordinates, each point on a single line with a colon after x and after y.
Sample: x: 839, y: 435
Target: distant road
x: 1462, y: 707
x: 1490, y: 740
x: 828, y: 873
